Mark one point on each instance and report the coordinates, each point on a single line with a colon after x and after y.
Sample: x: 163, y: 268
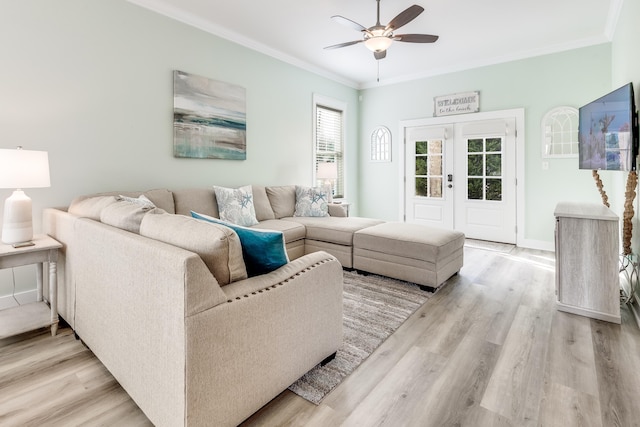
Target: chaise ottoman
x: 427, y: 256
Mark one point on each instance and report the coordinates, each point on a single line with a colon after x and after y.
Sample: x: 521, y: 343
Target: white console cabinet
x: 587, y: 260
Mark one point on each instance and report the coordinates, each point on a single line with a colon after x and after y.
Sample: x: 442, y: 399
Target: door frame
x: 517, y: 113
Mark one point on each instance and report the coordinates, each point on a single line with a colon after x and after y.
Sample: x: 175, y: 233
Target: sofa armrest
x: 243, y: 353
x: 132, y: 297
x: 336, y: 209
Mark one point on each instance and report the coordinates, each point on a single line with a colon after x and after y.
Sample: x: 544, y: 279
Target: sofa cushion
x: 91, y: 207
x: 311, y: 201
x: 337, y: 209
x: 86, y: 208
x: 292, y: 230
x: 162, y: 198
x: 330, y: 229
x: 260, y: 203
x: 283, y: 200
x: 196, y: 199
x: 263, y: 250
x: 218, y: 246
x: 235, y: 205
x: 126, y: 215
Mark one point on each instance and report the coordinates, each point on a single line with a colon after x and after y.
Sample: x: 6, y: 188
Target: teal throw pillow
x: 263, y: 250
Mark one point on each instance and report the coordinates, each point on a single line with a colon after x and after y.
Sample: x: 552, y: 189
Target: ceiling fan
x: 379, y: 37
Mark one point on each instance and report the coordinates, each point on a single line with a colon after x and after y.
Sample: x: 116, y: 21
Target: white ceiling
x: 472, y: 32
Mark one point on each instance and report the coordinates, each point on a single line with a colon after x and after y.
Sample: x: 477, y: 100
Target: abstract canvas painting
x: 209, y: 118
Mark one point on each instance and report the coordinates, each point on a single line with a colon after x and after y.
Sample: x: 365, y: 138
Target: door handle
x: 449, y: 178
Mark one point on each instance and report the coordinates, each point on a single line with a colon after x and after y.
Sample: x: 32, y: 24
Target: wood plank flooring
x: 488, y: 349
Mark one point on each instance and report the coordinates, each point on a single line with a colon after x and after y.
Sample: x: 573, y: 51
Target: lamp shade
x: 327, y: 170
x: 24, y: 169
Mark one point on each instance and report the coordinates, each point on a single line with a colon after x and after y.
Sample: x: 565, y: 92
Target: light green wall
x: 537, y: 84
x: 91, y: 83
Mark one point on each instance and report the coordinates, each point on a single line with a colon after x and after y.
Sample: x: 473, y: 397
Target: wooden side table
x: 27, y: 317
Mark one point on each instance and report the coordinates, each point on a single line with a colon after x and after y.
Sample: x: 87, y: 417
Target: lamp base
x: 17, y: 226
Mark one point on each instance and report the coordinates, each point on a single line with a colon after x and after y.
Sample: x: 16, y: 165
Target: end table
x: 27, y: 317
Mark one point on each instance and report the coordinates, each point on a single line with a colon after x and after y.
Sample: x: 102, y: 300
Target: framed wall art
x: 209, y: 118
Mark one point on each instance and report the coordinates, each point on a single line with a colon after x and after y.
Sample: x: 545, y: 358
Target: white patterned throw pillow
x: 142, y: 200
x: 311, y: 201
x: 235, y: 205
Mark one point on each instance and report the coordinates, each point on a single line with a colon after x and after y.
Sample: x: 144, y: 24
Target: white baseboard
x: 26, y: 297
x: 540, y: 245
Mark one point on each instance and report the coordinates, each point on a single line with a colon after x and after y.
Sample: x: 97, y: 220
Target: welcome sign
x: 459, y: 103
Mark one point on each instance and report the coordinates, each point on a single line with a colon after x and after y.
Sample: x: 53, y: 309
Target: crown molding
x: 577, y: 44
x: 224, y: 33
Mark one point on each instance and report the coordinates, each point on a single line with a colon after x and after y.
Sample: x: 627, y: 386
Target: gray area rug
x: 374, y: 307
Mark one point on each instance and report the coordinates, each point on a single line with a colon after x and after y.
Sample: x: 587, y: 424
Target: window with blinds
x: 329, y: 146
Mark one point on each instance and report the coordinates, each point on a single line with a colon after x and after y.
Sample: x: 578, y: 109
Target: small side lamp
x: 328, y: 172
x: 21, y: 169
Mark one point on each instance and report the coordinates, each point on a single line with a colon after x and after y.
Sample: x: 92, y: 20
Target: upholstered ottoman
x: 415, y: 253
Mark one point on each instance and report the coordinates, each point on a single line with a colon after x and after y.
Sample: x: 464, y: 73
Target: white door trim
x: 518, y: 113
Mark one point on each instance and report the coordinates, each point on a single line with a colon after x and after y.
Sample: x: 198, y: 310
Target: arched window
x: 381, y: 145
x: 560, y: 132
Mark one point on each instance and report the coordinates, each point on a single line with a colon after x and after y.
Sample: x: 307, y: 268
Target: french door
x: 429, y: 163
x: 462, y: 176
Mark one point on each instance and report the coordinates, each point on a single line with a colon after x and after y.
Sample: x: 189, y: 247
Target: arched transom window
x: 381, y: 145
x: 560, y: 132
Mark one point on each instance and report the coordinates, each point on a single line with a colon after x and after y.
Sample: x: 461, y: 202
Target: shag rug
x: 374, y: 307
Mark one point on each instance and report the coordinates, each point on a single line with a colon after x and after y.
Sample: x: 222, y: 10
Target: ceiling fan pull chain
x: 378, y: 77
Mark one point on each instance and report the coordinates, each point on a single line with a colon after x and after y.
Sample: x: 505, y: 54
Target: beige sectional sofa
x: 163, y: 301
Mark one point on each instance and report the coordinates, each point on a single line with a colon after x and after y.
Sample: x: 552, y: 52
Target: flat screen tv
x: 608, y: 132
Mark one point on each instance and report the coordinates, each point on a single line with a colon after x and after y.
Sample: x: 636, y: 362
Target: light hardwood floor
x: 488, y: 349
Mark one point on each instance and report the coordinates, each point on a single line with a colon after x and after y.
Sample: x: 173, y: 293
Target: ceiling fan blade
x: 415, y: 38
x: 408, y: 15
x: 380, y: 55
x: 348, y: 22
x: 337, y: 46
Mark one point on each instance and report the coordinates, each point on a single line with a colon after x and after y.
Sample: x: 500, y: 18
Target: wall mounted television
x: 608, y: 132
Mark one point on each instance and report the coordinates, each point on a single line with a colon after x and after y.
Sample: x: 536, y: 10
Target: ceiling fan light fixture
x: 378, y: 43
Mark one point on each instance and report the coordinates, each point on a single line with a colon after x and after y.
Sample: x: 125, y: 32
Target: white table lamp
x: 328, y: 172
x: 21, y: 169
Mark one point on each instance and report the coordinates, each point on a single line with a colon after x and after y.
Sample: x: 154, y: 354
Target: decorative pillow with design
x: 235, y: 205
x: 141, y: 201
x: 263, y: 250
x: 311, y: 201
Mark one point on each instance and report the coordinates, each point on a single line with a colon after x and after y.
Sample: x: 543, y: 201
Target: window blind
x: 329, y: 145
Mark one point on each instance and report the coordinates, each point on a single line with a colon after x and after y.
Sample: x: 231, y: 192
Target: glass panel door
x: 428, y: 170
x: 484, y: 169
x: 428, y: 158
